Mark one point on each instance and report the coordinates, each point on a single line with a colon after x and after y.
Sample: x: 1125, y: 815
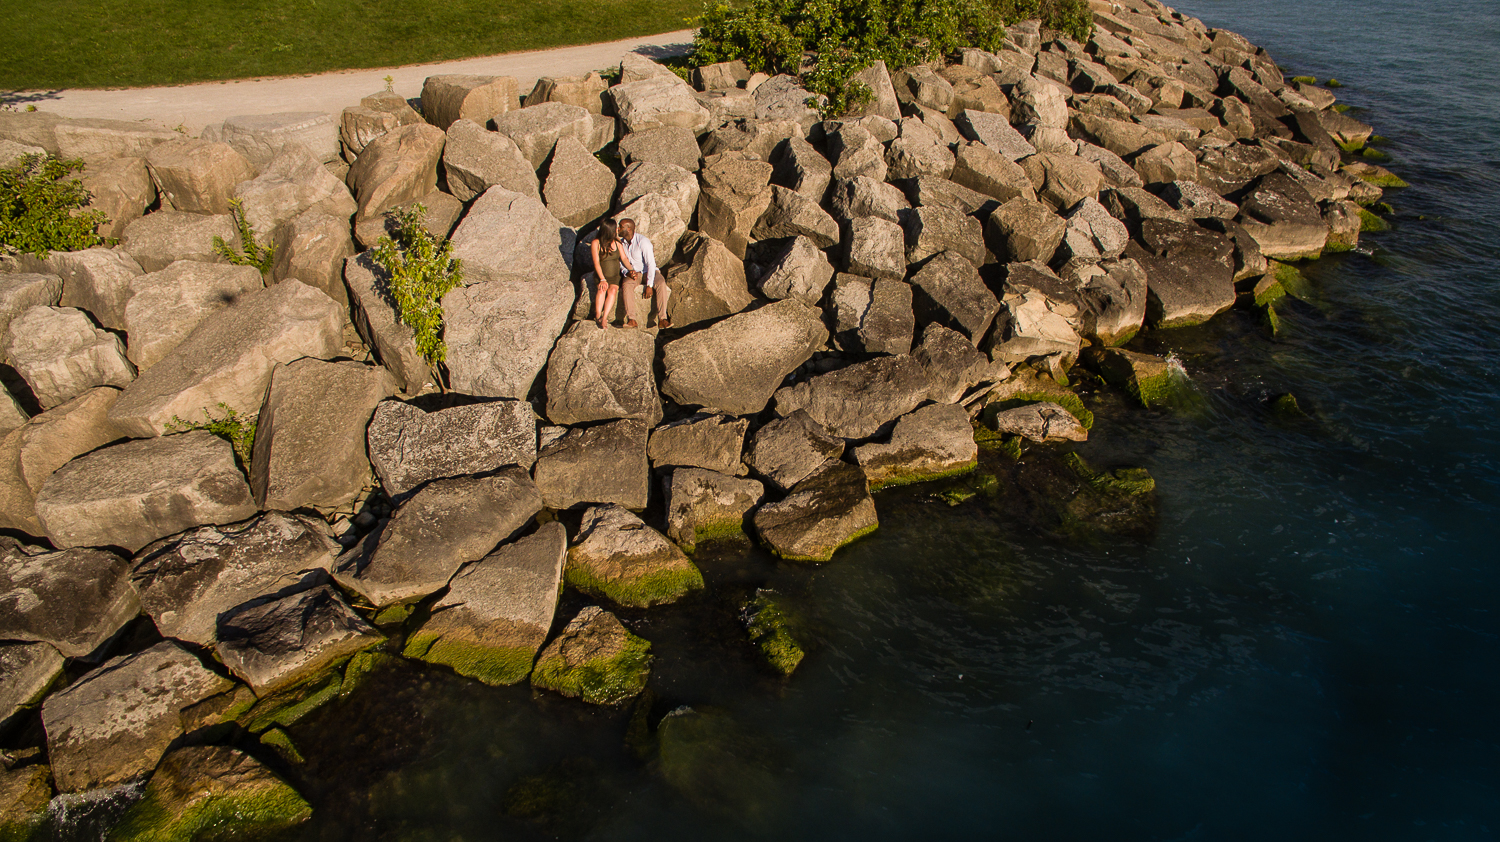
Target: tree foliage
x: 42, y: 210
x: 419, y: 270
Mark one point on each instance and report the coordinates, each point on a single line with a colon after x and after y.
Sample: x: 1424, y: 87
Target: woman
x: 610, y: 264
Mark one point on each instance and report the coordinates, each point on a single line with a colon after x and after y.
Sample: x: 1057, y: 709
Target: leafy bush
x: 419, y: 270
x: 231, y: 427
x: 41, y: 210
x: 250, y: 253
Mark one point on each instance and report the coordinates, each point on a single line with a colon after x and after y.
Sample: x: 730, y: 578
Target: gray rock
x: 875, y: 248
x: 790, y: 214
x: 1231, y: 168
x: 11, y: 413
x: 1189, y: 271
x: 598, y: 375
x: 1092, y: 234
x: 862, y: 196
x: 826, y: 511
x: 188, y: 581
x: 1024, y: 229
x: 74, y: 600
x: 586, y: 91
x: 1281, y: 216
x: 312, y: 248
x: 704, y: 505
x: 645, y: 178
x: 887, y: 325
x: 954, y: 366
x: 495, y: 616
x: 1045, y: 421
x: 445, y: 525
x: 115, y: 723
x: 157, y: 240
x: 920, y: 85
x: 792, y: 448
x: 932, y: 230
x: 62, y: 354
x: 308, y: 450
x: 499, y: 333
x: 709, y: 284
x: 801, y: 272
x: 659, y: 219
x: 857, y: 401
x: 726, y: 106
x: 409, y: 447
x: 96, y: 139
x: 1116, y: 172
x: 97, y: 280
x: 784, y: 98
x: 735, y: 365
x: 883, y: 101
x: 279, y: 644
x: 601, y: 464
x: 736, y: 192
x: 725, y: 74
x: 657, y: 102
x: 1167, y: 162
x: 395, y: 168
x: 375, y: 318
x: 261, y: 137
x: 509, y: 234
x: 197, y: 176
x: 801, y: 167
x: 1039, y: 102
x: 1114, y: 301
x: 1062, y: 181
x: 1198, y: 202
x: 168, y: 304
x: 917, y: 152
x: 635, y: 67
x: 450, y: 97
x: 1124, y: 139
x: 475, y: 160
x: 933, y: 442
x: 579, y: 187
x: 619, y: 558
x: 1133, y: 206
x: 926, y: 191
x: 27, y: 670
x: 229, y: 356
x: 1041, y: 323
x: 675, y: 145
x: 980, y: 168
x: 293, y: 183
x: 712, y: 442
x: 359, y: 124
x: 20, y: 292
x: 854, y: 151
x: 595, y: 660
x: 951, y: 290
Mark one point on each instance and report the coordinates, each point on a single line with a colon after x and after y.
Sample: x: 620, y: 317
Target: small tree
x: 42, y: 211
x: 419, y: 270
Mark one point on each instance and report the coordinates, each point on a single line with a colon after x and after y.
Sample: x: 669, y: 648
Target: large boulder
x: 397, y: 167
x: 131, y: 494
x: 198, y: 789
x: 1040, y: 320
x: 283, y: 642
x: 982, y: 169
x: 655, y: 102
x: 1166, y: 163
x: 1062, y: 181
x: 931, y: 230
x: 309, y: 450
x: 157, y: 240
x: 1114, y: 302
x: 499, y: 333
x: 293, y: 183
x: 791, y: 448
x: 619, y: 558
x: 1024, y: 229
x: 594, y: 660
x: 115, y: 723
x: 645, y: 178
x: 374, y: 316
x: 447, y: 524
x: 20, y: 292
x: 261, y: 137
x: 1092, y: 234
x: 950, y: 290
x: 476, y: 159
x: 497, y: 611
x: 873, y: 316
x: 802, y: 272
x: 783, y: 98
x: 954, y: 365
x: 736, y: 192
x: 121, y: 189
x: 450, y: 97
x: 409, y: 446
x: 875, y: 248
x: 186, y: 582
x: 659, y: 219
x: 55, y: 437
x: 27, y: 671
x: 708, y: 284
x: 62, y: 354
x: 862, y: 196
x: 600, y: 464
x: 801, y: 167
x: 826, y: 511
x: 854, y: 151
x: 675, y: 145
x: 197, y: 176
x: 597, y: 375
x: 586, y: 91
x: 735, y: 365
x: 1283, y: 219
x: 703, y: 505
x: 98, y: 280
x: 1189, y: 272
x: 931, y: 443
x: 312, y: 248
x: 791, y: 214
x: 510, y: 234
x: 579, y: 186
x: 229, y: 356
x: 917, y: 152
x: 73, y: 600
x: 360, y: 124
x: 855, y: 402
x: 168, y: 304
x: 712, y: 442
x: 536, y: 130
x: 994, y: 131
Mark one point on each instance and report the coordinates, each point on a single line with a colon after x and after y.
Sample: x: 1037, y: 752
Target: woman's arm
x: 598, y: 270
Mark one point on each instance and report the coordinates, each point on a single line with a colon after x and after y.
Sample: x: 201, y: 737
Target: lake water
x: 1307, y: 648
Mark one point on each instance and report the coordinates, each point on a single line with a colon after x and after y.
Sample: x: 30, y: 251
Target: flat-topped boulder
x: 656, y: 102
x: 157, y: 240
x: 293, y: 183
x: 617, y: 557
x: 932, y: 230
x: 982, y: 169
x: 703, y: 505
x: 74, y: 600
x: 447, y: 524
x: 476, y: 159
x: 708, y: 284
x: 931, y: 443
x: 826, y: 511
x: 600, y: 464
x: 27, y: 671
x: 1189, y: 272
x: 713, y: 442
x: 598, y: 375
x: 88, y: 137
x: 586, y: 91
x: 409, y: 446
x: 801, y: 272
x: 197, y: 176
x: 197, y: 790
x: 229, y: 356
x: 861, y: 196
x: 97, y: 280
x: 875, y: 248
x: 594, y: 660
x: 186, y: 582
x: 62, y: 354
x: 994, y: 131
x: 1023, y: 229
x: 496, y: 614
x: 312, y: 248
x: 128, y: 495
x: 734, y: 366
x: 500, y: 332
x: 1283, y: 219
x: 116, y: 722
x: 1041, y: 422
x: 281, y: 643
x: 791, y: 448
x: 674, y: 145
x: 261, y: 137
x: 537, y: 129
x: 1062, y: 181
x: 453, y: 96
x: 856, y: 401
x: 395, y: 168
x: 168, y: 304
x: 579, y: 186
x: 309, y: 450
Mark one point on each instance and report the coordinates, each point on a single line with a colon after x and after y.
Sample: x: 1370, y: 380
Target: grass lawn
x: 135, y: 43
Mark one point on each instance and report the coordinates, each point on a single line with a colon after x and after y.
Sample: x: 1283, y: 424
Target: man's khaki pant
x: 632, y: 295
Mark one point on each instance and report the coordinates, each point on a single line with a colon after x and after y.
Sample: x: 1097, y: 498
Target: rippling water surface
x: 1307, y: 649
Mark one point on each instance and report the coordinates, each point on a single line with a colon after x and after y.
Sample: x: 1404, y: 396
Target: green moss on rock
x: 1369, y: 222
x: 595, y: 659
x: 1291, y: 280
x: 1333, y: 83
x: 1286, y: 407
x: 394, y: 615
x: 290, y: 705
x: 280, y: 742
x: 496, y: 666
x: 24, y: 794
x: 912, y: 477
x: 651, y: 588
x: 1340, y: 107
x: 211, y: 793
x: 770, y: 631
x: 1305, y: 80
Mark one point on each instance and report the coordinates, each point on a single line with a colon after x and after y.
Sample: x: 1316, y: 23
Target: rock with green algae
x: 24, y: 794
x: 704, y: 505
x: 289, y: 641
x: 717, y: 764
x: 828, y: 510
x: 1285, y: 406
x: 1026, y: 386
x: 497, y: 611
x: 770, y: 631
x: 211, y: 792
x: 1373, y: 174
x: 930, y: 443
x: 1292, y: 281
x: 1369, y: 222
x: 1151, y: 380
x: 280, y: 742
x: 595, y: 659
x: 1267, y: 291
x: 1271, y: 319
x: 619, y: 558
x: 1062, y: 496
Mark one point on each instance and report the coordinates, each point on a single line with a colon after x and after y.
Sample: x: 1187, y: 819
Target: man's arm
x: 648, y: 261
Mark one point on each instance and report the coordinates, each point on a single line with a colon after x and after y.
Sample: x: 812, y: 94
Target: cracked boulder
x: 734, y: 366
x: 409, y: 446
x: 601, y: 464
x: 713, y: 442
x: 819, y: 515
x: 74, y: 600
x: 282, y: 643
x: 599, y: 375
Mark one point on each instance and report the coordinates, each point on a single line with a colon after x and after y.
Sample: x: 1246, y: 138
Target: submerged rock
x: 718, y: 765
x: 201, y: 792
x: 827, y: 510
x: 931, y: 443
x: 703, y: 505
x: 619, y: 558
x: 594, y: 660
x: 770, y: 632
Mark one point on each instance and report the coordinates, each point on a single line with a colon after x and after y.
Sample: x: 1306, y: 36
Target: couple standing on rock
x: 621, y: 254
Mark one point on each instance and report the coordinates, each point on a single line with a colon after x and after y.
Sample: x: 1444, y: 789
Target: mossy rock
x: 1027, y: 386
x: 1333, y: 83
x: 361, y: 667
x: 289, y: 705
x: 653, y: 588
x: 24, y: 794
x: 211, y: 793
x: 901, y: 478
x: 1370, y: 222
x: 1340, y: 107
x: 1286, y: 408
x: 394, y: 615
x: 1374, y: 154
x: 280, y: 742
x: 717, y: 764
x: 1305, y: 80
x: 1268, y: 291
x: 1292, y: 281
x: 496, y: 666
x: 1271, y: 320
x: 1062, y: 496
x: 565, y: 801
x: 595, y: 659
x: 770, y: 631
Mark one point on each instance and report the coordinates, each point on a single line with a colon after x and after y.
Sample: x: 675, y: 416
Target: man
x: 643, y: 276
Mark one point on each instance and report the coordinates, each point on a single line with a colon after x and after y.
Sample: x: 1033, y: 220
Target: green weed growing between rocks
x: 420, y: 269
x: 42, y: 210
x: 230, y: 426
x: 250, y: 252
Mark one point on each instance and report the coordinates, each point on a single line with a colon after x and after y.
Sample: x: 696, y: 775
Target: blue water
x: 1307, y: 648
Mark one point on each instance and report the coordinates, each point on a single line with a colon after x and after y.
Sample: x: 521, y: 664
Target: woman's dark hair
x: 609, y: 232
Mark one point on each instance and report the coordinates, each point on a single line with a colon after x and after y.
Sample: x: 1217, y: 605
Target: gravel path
x: 196, y: 106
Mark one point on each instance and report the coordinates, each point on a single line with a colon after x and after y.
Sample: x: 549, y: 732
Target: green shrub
x: 419, y: 270
x: 41, y: 210
x: 250, y: 252
x: 230, y: 426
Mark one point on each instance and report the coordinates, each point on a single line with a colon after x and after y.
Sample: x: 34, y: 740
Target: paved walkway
x: 196, y: 106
